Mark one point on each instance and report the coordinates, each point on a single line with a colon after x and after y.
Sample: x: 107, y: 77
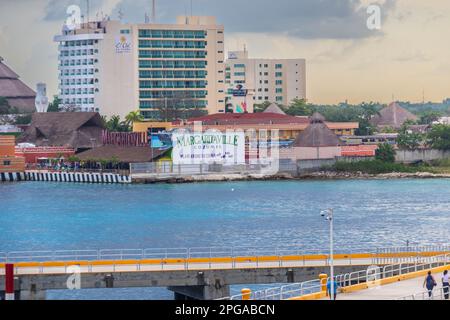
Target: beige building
x: 115, y: 68
x: 273, y: 80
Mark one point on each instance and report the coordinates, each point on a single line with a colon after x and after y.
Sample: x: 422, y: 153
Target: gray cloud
x: 307, y: 19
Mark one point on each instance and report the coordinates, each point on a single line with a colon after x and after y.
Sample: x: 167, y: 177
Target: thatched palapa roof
x: 274, y: 108
x: 79, y: 130
x: 317, y: 134
x: 17, y: 93
x: 392, y: 116
x: 122, y: 154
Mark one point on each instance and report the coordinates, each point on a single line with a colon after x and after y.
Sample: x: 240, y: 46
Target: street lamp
x: 328, y: 214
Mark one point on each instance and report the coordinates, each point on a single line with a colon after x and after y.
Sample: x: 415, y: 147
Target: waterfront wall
x: 308, y: 166
x: 12, y: 176
x: 410, y: 156
x: 76, y: 177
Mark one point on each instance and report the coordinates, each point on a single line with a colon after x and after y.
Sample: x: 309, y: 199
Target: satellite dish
x: 41, y: 101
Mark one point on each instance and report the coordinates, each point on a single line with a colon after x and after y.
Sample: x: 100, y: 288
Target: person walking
x: 335, y: 286
x: 446, y: 285
x: 429, y: 283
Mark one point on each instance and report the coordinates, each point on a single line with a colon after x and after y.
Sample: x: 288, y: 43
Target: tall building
x: 272, y: 80
x: 115, y: 68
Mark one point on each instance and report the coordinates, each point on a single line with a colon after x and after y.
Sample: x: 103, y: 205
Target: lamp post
x: 328, y: 214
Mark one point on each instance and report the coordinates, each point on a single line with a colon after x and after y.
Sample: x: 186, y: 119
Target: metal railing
x: 213, y: 252
x: 348, y: 279
x: 436, y: 294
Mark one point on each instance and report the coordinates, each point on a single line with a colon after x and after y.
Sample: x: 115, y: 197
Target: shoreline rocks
x: 321, y: 175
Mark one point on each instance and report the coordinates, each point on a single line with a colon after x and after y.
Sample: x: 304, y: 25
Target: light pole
x: 328, y: 214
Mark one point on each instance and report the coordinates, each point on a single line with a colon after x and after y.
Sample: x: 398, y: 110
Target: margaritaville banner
x: 208, y: 147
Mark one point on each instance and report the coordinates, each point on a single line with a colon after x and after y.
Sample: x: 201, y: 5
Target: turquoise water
x: 46, y: 216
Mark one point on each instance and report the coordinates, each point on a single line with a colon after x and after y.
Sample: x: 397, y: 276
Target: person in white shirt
x: 445, y: 284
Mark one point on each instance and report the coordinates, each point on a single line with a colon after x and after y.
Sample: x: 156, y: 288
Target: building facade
x: 115, y: 68
x: 272, y: 80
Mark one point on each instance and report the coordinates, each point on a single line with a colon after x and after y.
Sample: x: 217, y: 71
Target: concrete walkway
x: 393, y: 291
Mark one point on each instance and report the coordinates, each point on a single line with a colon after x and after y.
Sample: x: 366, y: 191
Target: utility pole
x: 153, y: 11
x: 328, y: 214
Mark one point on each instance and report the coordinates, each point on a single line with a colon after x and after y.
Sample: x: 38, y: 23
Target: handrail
x: 349, y: 279
x: 423, y: 295
x: 381, y: 255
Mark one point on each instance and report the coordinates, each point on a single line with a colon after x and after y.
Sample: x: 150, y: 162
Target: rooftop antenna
x: 146, y: 18
x: 191, y: 8
x: 154, y: 11
x: 120, y: 14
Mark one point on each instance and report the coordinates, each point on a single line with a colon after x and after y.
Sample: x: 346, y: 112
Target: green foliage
x: 132, y: 117
x: 388, y: 129
x: 5, y: 108
x: 385, y: 153
x: 23, y: 119
x: 375, y: 167
x: 114, y: 124
x: 428, y: 117
x: 408, y: 140
x: 261, y: 107
x: 439, y: 137
x: 54, y: 105
x: 299, y: 107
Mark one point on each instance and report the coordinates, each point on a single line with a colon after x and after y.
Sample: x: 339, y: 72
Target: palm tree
x: 132, y: 117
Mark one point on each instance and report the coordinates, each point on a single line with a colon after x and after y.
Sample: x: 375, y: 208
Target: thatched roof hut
x: 122, y: 154
x: 79, y: 130
x: 317, y: 134
x: 17, y: 93
x: 274, y: 108
x: 392, y: 116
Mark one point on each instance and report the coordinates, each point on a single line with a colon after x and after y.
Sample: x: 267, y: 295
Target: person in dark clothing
x: 429, y: 283
x: 446, y: 285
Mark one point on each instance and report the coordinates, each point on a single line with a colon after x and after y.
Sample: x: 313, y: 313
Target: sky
x: 407, y: 59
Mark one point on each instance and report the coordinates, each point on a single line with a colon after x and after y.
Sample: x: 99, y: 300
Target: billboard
x: 208, y: 147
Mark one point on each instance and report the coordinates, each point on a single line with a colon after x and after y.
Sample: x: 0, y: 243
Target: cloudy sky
x: 408, y: 56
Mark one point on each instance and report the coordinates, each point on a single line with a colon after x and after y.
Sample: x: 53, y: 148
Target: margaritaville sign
x: 208, y: 147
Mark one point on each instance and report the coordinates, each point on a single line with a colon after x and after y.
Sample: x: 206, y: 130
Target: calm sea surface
x: 57, y: 216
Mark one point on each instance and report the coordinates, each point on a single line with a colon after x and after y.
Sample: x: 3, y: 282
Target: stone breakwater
x: 322, y: 175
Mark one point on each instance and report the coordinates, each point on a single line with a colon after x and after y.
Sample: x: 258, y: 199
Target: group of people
x: 430, y: 283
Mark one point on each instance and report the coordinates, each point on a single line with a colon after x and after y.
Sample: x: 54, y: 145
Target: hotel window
x: 279, y: 82
x: 278, y: 74
x: 279, y: 99
x: 239, y: 65
x: 278, y: 90
x: 239, y: 74
x: 6, y: 162
x: 266, y: 66
x: 278, y: 66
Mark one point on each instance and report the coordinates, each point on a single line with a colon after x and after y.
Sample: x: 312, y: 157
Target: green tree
x: 385, y: 153
x: 299, y: 107
x: 261, y: 107
x: 114, y: 124
x: 439, y: 137
x: 429, y: 117
x: 409, y: 140
x: 132, y: 117
x: 54, y: 105
x: 23, y: 119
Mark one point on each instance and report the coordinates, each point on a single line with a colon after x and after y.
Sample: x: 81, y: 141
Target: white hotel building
x: 116, y: 68
x: 272, y: 80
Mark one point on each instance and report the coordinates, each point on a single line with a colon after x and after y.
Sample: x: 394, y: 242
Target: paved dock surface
x: 392, y: 291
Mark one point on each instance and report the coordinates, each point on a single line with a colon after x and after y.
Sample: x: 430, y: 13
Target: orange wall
x: 8, y: 161
x: 7, y: 146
